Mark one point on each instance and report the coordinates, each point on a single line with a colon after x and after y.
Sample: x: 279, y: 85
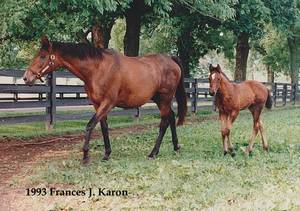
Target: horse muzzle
x: 212, y: 93
x: 29, y: 78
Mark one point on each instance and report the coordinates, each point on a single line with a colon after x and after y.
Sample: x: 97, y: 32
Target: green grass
x: 36, y: 129
x: 15, y: 114
x: 200, y: 177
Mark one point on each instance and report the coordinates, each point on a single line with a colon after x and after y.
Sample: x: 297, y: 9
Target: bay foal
x: 233, y: 97
x: 113, y: 80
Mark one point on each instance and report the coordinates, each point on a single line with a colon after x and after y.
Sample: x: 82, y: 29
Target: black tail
x: 269, y: 101
x: 180, y: 94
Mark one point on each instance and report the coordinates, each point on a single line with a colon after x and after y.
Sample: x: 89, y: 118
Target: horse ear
x: 46, y: 44
x: 218, y: 68
x: 210, y: 67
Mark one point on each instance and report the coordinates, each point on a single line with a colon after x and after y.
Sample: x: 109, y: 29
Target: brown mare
x: 233, y: 97
x: 113, y: 80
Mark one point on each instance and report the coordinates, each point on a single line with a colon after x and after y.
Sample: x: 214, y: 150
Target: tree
x: 77, y: 20
x: 251, y: 16
x: 193, y: 27
x: 286, y: 18
x: 25, y: 21
x: 140, y: 12
x: 274, y: 49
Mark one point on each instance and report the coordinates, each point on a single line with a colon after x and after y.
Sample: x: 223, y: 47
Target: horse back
x: 252, y: 92
x: 143, y: 76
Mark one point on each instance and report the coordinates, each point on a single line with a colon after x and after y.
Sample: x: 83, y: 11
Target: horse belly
x: 135, y: 98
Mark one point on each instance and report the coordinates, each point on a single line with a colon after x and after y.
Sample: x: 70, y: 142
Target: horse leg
x: 88, y: 131
x: 224, y: 132
x: 172, y: 122
x: 256, y: 111
x: 164, y: 123
x: 101, y: 112
x: 104, y: 129
x: 263, y: 136
x: 230, y: 121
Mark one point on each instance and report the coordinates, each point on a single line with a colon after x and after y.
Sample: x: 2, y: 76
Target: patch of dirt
x: 16, y: 154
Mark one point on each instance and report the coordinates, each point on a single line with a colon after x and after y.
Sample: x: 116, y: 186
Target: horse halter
x: 41, y: 73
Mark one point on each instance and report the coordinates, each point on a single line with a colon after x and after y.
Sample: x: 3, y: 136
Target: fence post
x: 138, y: 113
x: 284, y: 94
x: 275, y: 93
x: 296, y: 90
x: 293, y: 94
x: 195, y: 95
x: 51, y: 98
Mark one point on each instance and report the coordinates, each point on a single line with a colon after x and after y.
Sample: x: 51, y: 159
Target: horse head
x: 214, y: 78
x: 43, y: 63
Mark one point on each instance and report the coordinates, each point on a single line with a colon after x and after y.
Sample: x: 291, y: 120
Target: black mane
x: 79, y: 50
x: 225, y: 76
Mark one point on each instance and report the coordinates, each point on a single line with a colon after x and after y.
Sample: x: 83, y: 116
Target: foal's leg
x: 104, y: 128
x: 172, y: 122
x: 256, y: 111
x: 101, y: 112
x: 164, y: 123
x: 224, y: 131
x: 230, y: 120
x: 263, y: 136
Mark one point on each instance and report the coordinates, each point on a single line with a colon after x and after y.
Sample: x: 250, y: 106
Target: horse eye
x: 42, y: 58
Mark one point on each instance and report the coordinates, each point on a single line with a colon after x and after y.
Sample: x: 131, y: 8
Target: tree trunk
x: 242, y: 52
x: 270, y: 75
x: 294, y: 43
x: 82, y: 36
x: 133, y: 27
x: 101, y: 34
x: 184, y: 46
x: 97, y: 36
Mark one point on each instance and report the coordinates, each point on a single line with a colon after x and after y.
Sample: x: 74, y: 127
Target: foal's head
x: 44, y: 62
x: 214, y: 78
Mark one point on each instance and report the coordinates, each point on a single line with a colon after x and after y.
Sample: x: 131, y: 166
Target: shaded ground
x: 16, y: 155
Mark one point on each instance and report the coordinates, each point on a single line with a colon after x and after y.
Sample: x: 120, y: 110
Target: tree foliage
x: 286, y: 18
x: 274, y: 48
x: 25, y: 21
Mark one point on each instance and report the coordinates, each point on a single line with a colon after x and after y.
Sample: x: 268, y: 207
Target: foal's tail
x: 269, y: 101
x: 180, y: 94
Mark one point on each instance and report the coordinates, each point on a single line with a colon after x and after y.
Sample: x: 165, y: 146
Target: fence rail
x: 50, y: 96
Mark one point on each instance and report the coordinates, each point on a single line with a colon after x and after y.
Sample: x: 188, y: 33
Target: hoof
x: 177, y: 149
x: 225, y: 153
x: 266, y: 149
x: 151, y: 157
x: 247, y: 152
x: 233, y: 154
x: 86, y: 161
x: 105, y: 158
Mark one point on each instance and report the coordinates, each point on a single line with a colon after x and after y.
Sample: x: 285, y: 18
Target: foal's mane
x: 78, y: 50
x: 222, y: 73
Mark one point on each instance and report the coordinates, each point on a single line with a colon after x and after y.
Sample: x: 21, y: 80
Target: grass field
x: 35, y: 129
x: 200, y: 177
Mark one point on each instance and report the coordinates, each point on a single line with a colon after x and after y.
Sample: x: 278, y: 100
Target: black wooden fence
x: 51, y: 95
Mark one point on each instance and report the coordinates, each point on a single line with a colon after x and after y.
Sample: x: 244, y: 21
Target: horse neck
x: 226, y: 87
x: 82, y: 68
